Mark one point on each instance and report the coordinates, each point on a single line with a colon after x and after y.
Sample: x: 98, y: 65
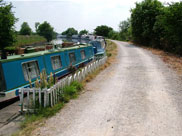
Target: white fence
x: 49, y: 97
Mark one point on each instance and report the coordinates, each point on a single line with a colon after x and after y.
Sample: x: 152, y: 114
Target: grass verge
x: 33, y: 121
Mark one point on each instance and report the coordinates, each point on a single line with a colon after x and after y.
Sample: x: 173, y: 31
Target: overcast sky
x: 80, y: 14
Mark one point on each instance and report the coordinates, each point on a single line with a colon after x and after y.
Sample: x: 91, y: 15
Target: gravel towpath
x: 138, y: 95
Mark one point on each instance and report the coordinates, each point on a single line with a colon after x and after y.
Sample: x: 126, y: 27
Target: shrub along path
x: 138, y: 95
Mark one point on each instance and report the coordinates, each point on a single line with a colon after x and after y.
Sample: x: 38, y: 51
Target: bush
x: 71, y: 91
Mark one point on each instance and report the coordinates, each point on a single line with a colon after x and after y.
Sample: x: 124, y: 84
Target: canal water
x: 60, y: 40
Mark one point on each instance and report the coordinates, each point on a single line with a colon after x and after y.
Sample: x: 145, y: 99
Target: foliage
x: 168, y: 29
x: 156, y: 25
x: 36, y: 26
x: 25, y: 29
x: 125, y: 30
x: 82, y: 32
x: 44, y: 82
x: 46, y: 30
x: 70, y: 31
x: 143, y: 18
x: 113, y: 35
x: 102, y: 30
x: 7, y: 32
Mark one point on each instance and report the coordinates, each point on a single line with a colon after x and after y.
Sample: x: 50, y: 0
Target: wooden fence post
x: 21, y: 94
x: 33, y: 91
x: 45, y: 97
x: 28, y: 99
x: 40, y: 97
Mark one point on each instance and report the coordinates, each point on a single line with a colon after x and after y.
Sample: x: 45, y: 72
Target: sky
x: 80, y: 14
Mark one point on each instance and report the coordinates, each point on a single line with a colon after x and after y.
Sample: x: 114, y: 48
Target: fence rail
x: 49, y: 97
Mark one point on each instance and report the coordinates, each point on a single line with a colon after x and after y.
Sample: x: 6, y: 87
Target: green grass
x: 26, y: 40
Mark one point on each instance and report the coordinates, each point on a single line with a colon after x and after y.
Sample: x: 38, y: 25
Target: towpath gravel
x: 138, y: 95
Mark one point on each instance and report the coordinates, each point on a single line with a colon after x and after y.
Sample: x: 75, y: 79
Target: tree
x: 69, y: 32
x: 143, y: 18
x: 36, y: 26
x: 82, y: 32
x: 113, y: 35
x: 46, y: 30
x: 102, y: 30
x: 7, y: 32
x: 168, y: 28
x: 125, y: 30
x: 25, y: 29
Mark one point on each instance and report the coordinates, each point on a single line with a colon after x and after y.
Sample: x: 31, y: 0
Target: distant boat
x: 75, y: 36
x: 61, y: 36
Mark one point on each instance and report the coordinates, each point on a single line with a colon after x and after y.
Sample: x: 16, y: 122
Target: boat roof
x: 40, y: 53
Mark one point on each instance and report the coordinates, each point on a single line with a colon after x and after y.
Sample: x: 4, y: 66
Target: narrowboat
x: 17, y: 70
x: 99, y: 48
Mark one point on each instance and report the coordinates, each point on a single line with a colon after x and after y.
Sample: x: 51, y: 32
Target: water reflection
x: 60, y: 40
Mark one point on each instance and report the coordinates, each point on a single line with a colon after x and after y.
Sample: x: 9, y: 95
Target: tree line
x: 156, y: 25
x: 151, y: 23
x: 44, y: 29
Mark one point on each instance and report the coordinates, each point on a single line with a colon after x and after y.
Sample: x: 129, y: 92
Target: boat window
x: 56, y: 62
x: 72, y: 57
x: 83, y: 54
x: 30, y: 70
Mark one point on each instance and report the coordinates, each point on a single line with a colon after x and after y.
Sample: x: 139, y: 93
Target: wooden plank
x: 79, y: 76
x: 45, y: 97
x: 74, y: 77
x: 28, y: 99
x: 21, y: 94
x: 51, y: 98
x: 33, y: 91
x: 40, y: 97
x: 56, y: 92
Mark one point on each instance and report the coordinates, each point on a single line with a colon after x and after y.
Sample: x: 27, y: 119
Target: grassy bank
x: 70, y: 92
x: 27, y: 40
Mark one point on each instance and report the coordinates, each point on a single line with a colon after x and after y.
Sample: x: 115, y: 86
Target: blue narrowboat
x: 17, y: 70
x: 99, y: 48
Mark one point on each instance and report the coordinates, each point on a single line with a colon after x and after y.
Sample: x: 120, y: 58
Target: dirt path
x: 137, y: 96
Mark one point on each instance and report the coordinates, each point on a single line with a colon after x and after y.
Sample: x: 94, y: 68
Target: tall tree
x: 70, y: 31
x: 102, y: 30
x: 25, y: 29
x: 46, y: 30
x: 7, y: 32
